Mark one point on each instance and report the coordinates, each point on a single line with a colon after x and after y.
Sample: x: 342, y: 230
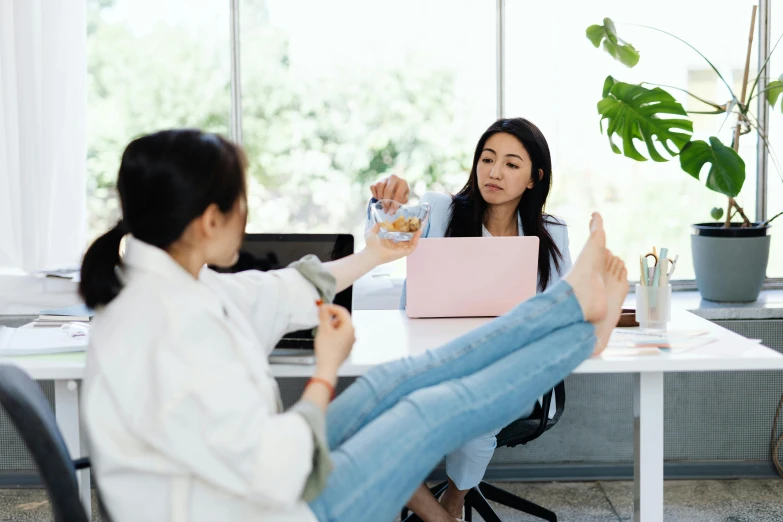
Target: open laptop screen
x: 273, y: 251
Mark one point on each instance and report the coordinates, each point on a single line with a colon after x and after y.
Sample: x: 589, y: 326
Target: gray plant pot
x: 730, y: 264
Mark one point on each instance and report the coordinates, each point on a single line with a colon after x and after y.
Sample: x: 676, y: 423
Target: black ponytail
x: 166, y: 180
x: 100, y: 282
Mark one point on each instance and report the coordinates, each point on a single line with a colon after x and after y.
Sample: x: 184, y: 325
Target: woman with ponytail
x: 182, y: 413
x: 171, y: 338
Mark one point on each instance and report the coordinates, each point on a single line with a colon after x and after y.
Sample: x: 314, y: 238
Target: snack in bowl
x: 399, y: 222
x: 402, y: 224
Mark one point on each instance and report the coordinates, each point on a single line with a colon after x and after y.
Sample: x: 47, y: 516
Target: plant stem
x: 747, y: 58
x: 697, y: 51
x: 722, y: 108
x: 763, y: 68
x: 706, y: 112
x: 746, y: 221
x: 727, y: 223
x: 760, y: 93
x: 770, y: 220
x: 733, y: 205
x: 728, y: 115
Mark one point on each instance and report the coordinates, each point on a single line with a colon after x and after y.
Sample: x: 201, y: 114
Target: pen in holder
x: 653, y: 306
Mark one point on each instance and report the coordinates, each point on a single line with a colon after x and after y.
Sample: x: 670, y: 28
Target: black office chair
x: 30, y: 413
x: 520, y: 431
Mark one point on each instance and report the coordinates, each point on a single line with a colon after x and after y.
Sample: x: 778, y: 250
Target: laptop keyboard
x: 296, y: 343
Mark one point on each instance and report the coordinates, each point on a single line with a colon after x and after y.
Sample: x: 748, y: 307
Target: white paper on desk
x: 687, y: 344
x: 38, y: 341
x: 674, y: 341
x: 636, y: 334
x: 617, y: 351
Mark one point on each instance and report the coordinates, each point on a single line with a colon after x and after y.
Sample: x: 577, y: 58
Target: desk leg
x: 66, y: 408
x: 648, y: 447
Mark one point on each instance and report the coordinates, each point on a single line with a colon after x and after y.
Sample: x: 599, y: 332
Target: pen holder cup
x: 653, y: 306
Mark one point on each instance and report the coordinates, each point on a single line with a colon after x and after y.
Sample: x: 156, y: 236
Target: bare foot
x: 585, y: 276
x: 453, y: 500
x: 427, y: 507
x: 616, y: 284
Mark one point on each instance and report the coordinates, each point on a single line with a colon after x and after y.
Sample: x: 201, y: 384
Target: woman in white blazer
x: 183, y: 416
x: 505, y: 195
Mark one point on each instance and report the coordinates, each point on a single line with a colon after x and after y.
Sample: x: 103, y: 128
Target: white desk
x: 386, y: 335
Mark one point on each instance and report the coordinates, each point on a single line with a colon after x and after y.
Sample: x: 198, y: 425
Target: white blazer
x: 180, y: 407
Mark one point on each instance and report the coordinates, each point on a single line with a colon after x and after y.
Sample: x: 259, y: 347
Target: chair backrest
x: 33, y: 418
x: 522, y: 431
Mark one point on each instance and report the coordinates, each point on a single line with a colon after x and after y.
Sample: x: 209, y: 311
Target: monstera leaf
x: 774, y: 91
x: 727, y: 170
x: 619, y: 49
x: 634, y: 112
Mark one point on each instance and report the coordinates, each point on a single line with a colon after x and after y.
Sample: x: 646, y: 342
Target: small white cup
x: 654, y: 306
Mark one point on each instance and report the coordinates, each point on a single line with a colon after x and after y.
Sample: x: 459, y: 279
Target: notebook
x: 38, y: 341
x: 78, y: 312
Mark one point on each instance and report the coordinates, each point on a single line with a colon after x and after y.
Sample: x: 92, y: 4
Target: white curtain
x: 43, y: 74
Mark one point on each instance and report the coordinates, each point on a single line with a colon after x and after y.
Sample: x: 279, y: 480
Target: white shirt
x: 520, y: 230
x: 180, y: 407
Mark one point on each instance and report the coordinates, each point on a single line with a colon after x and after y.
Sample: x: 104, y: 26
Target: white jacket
x: 179, y: 404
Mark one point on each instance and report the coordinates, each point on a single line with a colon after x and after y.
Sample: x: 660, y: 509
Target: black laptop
x: 273, y: 251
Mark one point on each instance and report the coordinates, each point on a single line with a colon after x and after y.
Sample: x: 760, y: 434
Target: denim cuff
x: 322, y: 462
x: 563, y: 291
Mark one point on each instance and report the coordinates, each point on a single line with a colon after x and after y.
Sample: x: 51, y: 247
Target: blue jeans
x: 390, y: 428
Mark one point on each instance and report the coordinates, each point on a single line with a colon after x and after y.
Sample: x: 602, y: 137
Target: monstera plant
x: 730, y: 258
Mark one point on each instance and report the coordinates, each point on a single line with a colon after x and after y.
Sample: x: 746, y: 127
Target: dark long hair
x: 166, y: 180
x: 468, y: 207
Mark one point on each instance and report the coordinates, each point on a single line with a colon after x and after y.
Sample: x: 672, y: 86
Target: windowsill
x: 381, y: 291
x: 768, y: 306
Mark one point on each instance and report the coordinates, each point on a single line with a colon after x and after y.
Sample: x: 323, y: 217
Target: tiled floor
x: 686, y: 501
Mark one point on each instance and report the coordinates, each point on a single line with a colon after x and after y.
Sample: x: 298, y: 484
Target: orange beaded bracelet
x: 324, y: 382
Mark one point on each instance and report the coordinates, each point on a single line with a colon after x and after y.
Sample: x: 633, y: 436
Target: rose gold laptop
x: 471, y: 276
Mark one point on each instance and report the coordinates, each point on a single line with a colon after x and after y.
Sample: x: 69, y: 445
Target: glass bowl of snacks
x: 399, y: 222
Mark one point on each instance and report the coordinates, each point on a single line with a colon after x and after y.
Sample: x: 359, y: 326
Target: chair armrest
x: 560, y: 397
x: 546, y: 402
x: 82, y: 463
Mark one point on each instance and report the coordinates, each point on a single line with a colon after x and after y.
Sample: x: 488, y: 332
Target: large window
x: 337, y: 94
x: 555, y: 77
x: 151, y: 65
